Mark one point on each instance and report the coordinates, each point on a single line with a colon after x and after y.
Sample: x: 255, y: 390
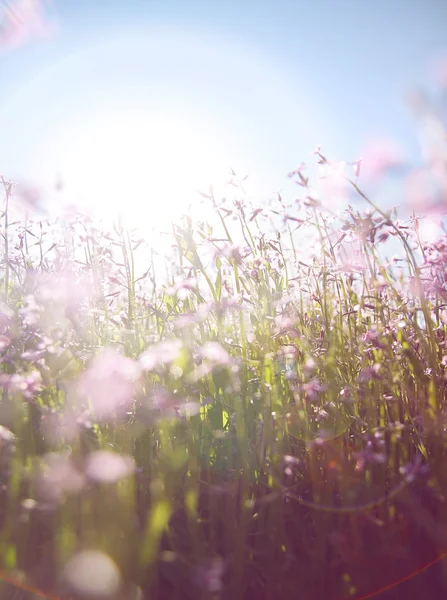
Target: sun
x: 140, y: 167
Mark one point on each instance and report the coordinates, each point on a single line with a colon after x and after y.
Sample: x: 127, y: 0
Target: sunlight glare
x: 141, y: 167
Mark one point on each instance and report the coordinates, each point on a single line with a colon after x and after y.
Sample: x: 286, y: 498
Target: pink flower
x: 333, y: 186
x: 213, y: 352
x: 161, y: 354
x: 109, y: 383
x: 105, y: 466
x: 27, y: 384
x: 379, y: 156
x: 183, y: 287
x: 65, y: 287
x: 21, y: 21
x: 58, y: 477
x: 357, y: 166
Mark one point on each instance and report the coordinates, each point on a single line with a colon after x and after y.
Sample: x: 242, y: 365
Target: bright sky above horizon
x: 134, y: 101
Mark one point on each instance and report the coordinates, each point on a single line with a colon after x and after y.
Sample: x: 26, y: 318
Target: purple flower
x: 209, y: 575
x: 368, y: 373
x: 312, y: 389
x: 372, y: 453
x: 27, y: 384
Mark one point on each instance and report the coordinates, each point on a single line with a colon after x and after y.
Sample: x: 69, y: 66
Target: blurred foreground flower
x: 92, y: 574
x: 105, y: 466
x: 209, y: 575
x: 7, y: 449
x: 108, y: 385
x: 333, y: 186
x: 161, y: 354
x: 21, y: 21
x: 214, y: 353
x: 27, y: 384
x: 57, y: 477
x: 379, y: 157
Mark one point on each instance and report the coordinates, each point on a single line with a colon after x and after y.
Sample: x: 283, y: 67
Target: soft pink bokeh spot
x: 57, y: 477
x: 439, y: 70
x: 161, y: 354
x: 104, y: 466
x: 380, y: 155
x: 333, y: 187
x: 426, y: 191
x: 109, y: 384
x: 213, y: 352
x: 22, y: 21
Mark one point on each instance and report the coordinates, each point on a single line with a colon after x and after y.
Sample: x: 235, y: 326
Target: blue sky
x: 261, y: 83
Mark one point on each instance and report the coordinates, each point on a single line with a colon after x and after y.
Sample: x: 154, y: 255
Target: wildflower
x: 357, y: 165
x: 254, y: 214
x: 209, y: 575
x: 30, y: 312
x: 161, y: 404
x: 27, y: 384
x: 309, y: 366
x: 183, y: 288
x: 104, y: 466
x: 302, y: 180
x: 160, y: 354
x: 372, y: 336
x: 214, y: 353
x: 57, y: 477
x: 22, y: 20
x: 426, y: 189
x: 191, y: 318
x: 233, y: 252
x: 92, y: 574
x: 65, y: 288
x: 380, y: 156
x: 411, y: 469
x: 333, y: 185
x: 372, y: 453
x: 189, y: 409
x: 109, y: 383
x: 312, y: 389
x: 368, y: 373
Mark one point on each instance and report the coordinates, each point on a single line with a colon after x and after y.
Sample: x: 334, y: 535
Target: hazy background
x: 255, y: 84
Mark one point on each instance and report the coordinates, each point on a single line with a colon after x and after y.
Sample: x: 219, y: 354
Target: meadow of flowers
x: 267, y: 420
